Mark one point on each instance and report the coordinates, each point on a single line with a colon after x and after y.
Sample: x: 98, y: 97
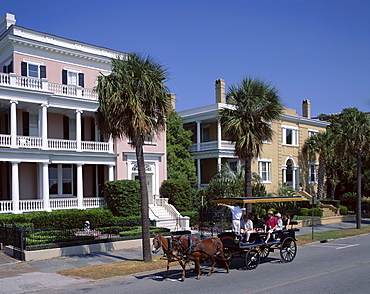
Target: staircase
x: 327, y: 209
x: 165, y: 215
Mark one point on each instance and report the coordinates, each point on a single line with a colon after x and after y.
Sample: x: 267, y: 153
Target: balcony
x: 26, y: 142
x: 43, y: 85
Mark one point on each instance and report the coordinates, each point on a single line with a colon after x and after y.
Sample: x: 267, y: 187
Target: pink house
x: 51, y: 153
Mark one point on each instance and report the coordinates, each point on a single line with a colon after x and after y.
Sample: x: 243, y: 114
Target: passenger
x: 271, y: 225
x: 280, y: 222
x: 247, y: 226
x: 236, y: 216
x: 262, y: 223
x: 286, y: 221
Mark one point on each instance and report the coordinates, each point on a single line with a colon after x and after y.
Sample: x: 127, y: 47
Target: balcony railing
x: 213, y: 145
x: 43, y: 85
x: 6, y: 206
x: 29, y: 142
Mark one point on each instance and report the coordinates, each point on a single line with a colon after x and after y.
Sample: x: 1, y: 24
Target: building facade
x: 281, y: 161
x: 51, y: 153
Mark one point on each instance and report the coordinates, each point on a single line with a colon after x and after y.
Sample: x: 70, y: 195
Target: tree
x: 180, y: 164
x: 255, y: 104
x: 134, y: 103
x: 319, y: 143
x: 352, y: 130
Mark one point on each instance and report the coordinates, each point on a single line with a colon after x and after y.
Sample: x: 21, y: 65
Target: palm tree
x: 133, y: 104
x: 319, y: 143
x: 255, y: 104
x: 352, y: 129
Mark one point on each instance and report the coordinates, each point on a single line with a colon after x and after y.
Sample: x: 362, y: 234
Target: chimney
x: 6, y: 21
x: 173, y: 100
x: 306, y: 108
x: 220, y: 91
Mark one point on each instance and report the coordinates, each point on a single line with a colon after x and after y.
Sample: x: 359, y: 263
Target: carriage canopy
x: 257, y: 199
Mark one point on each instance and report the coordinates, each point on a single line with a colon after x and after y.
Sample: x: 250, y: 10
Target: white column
x: 110, y: 144
x: 15, y: 187
x: 13, y: 123
x: 78, y: 129
x: 198, y: 135
x: 111, y: 172
x: 45, y: 186
x: 219, y: 135
x: 199, y: 173
x: 219, y: 164
x: 80, y: 188
x: 44, y: 125
x: 284, y: 173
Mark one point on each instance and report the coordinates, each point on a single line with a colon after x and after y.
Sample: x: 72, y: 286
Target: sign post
x: 313, y: 202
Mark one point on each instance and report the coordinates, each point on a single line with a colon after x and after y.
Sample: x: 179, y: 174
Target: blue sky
x: 316, y: 50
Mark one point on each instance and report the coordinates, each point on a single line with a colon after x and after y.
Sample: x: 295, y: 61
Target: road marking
x: 347, y: 246
x: 310, y: 277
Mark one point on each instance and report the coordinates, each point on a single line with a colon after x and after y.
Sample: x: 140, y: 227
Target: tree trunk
x: 147, y: 256
x: 248, y: 179
x: 321, y: 177
x: 358, y: 213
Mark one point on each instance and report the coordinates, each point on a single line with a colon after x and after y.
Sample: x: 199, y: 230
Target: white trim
x: 33, y: 62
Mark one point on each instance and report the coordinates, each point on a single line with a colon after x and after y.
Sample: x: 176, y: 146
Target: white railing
x: 29, y: 142
x: 30, y: 83
x: 63, y: 203
x: 212, y: 146
x: 183, y: 222
x: 95, y: 146
x: 6, y: 206
x: 4, y: 79
x: 59, y: 144
x: 43, y: 84
x: 5, y: 140
x: 93, y: 202
x: 31, y: 205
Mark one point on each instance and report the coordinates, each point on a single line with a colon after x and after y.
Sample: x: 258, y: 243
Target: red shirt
x: 272, y: 222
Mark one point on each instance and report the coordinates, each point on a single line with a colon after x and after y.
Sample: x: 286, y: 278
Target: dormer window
x: 33, y: 69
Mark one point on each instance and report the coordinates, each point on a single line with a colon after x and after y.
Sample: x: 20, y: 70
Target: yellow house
x: 281, y: 161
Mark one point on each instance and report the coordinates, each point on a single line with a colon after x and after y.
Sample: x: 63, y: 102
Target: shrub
x: 343, y: 210
x: 179, y: 193
x: 194, y: 217
x: 123, y: 197
x: 304, y: 211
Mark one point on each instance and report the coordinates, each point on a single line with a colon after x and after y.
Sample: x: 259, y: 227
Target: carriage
x: 255, y: 249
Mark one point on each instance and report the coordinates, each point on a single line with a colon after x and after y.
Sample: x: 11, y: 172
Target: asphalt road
x: 339, y: 266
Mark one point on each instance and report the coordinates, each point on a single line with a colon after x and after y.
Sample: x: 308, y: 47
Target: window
x: 62, y: 180
x: 33, y: 69
x: 8, y: 67
x: 290, y: 135
x: 312, y: 132
x: 264, y: 170
x: 312, y: 172
x: 205, y: 134
x: 73, y: 77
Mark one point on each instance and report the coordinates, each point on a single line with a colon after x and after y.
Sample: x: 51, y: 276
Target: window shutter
x: 64, y: 77
x: 24, y: 69
x: 5, y: 69
x: 82, y: 129
x: 81, y: 80
x: 42, y: 71
x: 10, y: 67
x: 65, y: 127
x: 26, y: 123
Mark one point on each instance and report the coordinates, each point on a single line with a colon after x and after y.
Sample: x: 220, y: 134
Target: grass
x: 122, y: 268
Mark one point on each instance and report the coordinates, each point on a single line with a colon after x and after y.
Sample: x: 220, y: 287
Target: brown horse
x: 199, y: 251
x: 167, y: 246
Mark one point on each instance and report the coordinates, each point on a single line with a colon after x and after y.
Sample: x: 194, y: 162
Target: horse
x: 199, y: 251
x: 167, y: 246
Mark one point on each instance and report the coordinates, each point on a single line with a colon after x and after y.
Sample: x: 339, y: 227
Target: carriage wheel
x: 264, y: 251
x: 252, y: 259
x: 288, y: 249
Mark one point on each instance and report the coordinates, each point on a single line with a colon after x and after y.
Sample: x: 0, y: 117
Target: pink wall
x: 28, y: 175
x: 54, y: 69
x: 55, y: 125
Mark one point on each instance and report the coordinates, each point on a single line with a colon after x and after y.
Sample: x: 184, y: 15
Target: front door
x: 149, y: 183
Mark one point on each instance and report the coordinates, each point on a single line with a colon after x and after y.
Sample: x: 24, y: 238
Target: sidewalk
x: 22, y: 277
